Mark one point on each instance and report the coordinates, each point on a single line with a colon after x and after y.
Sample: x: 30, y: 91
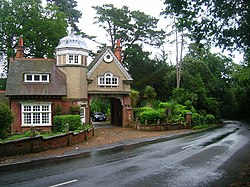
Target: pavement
x: 106, y: 137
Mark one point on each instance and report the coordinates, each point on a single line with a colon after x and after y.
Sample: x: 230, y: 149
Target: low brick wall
x: 38, y: 143
x: 162, y: 127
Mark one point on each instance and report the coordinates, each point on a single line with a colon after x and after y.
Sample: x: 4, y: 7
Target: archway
x: 115, y: 108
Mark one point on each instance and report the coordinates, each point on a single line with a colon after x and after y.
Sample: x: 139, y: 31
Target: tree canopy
x: 130, y: 26
x: 224, y: 22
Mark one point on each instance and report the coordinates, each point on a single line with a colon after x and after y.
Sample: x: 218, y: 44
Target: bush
x: 7, y: 118
x: 198, y: 119
x: 74, y: 122
x: 210, y: 119
x: 151, y: 116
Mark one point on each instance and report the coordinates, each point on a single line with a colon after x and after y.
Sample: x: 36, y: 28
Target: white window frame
x: 33, y: 76
x: 108, y: 80
x: 73, y: 59
x: 36, y: 114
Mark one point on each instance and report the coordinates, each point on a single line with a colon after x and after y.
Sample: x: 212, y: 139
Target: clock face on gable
x: 108, y: 58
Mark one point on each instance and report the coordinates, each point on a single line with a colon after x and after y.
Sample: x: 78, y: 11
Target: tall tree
x: 131, y: 26
x: 41, y: 27
x: 69, y: 8
x: 226, y: 22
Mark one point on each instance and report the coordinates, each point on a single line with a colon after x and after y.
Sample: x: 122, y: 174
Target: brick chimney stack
x: 118, y: 50
x: 20, y: 49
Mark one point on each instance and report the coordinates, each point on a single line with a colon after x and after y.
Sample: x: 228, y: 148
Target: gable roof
x: 17, y: 87
x: 99, y: 58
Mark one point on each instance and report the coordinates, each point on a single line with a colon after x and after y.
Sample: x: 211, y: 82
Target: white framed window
x: 73, y: 59
x: 36, y: 77
x: 108, y: 80
x: 36, y: 114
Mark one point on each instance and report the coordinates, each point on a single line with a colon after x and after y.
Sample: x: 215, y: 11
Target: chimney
x: 118, y: 50
x: 20, y: 49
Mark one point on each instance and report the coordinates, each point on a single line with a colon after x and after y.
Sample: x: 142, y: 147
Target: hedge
x: 74, y: 122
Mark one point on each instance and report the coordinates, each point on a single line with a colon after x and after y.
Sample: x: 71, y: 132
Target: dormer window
x: 73, y: 59
x: 36, y: 77
x: 108, y: 80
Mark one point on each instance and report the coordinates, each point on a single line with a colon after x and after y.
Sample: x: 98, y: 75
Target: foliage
x: 58, y: 110
x: 198, y: 119
x: 149, y: 94
x: 210, y: 119
x: 69, y: 8
x: 74, y: 109
x: 59, y: 122
x: 130, y: 26
x: 225, y: 22
x: 7, y: 118
x: 151, y: 116
x: 100, y: 105
x: 134, y: 96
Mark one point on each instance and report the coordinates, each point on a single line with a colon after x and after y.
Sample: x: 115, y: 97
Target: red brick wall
x: 15, y: 105
x: 38, y: 144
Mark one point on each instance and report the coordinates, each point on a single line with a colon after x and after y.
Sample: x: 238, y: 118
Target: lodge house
x: 36, y: 86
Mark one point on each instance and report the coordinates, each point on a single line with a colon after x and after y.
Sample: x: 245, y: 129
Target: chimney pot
x: 118, y: 50
x: 20, y: 49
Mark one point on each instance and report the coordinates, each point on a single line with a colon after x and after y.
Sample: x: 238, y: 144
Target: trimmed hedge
x: 151, y: 116
x: 74, y: 122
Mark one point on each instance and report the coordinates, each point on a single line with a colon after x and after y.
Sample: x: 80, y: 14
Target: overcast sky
x: 150, y: 7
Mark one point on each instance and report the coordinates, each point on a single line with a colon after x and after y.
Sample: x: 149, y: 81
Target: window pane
x: 36, y: 108
x: 44, y: 77
x: 114, y: 80
x: 36, y: 77
x: 76, y: 59
x: 36, y: 118
x: 45, y: 118
x: 28, y: 77
x: 108, y: 80
x: 71, y: 59
x: 45, y: 108
x: 26, y: 108
x: 27, y: 118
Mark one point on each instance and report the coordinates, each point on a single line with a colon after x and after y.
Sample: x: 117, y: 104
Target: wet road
x: 210, y: 158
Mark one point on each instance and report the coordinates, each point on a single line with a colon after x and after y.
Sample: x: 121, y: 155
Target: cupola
x: 72, y: 50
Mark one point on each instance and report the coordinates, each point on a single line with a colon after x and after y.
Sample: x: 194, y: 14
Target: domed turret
x: 72, y: 41
x: 72, y: 49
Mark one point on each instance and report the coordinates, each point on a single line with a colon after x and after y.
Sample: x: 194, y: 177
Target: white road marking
x: 185, y: 147
x: 64, y: 183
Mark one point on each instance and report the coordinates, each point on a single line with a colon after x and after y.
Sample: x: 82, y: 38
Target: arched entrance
x: 116, y: 108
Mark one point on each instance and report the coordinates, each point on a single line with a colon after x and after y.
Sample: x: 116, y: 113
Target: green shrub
x: 59, y: 122
x: 198, y: 119
x: 210, y: 119
x: 6, y: 118
x: 151, y: 116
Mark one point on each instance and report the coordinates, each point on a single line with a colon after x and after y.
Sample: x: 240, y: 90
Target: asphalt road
x: 211, y: 158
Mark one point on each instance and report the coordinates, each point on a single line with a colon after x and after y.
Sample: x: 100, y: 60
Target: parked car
x: 99, y: 116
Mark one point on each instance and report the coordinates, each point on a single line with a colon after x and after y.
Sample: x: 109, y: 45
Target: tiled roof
x: 17, y: 87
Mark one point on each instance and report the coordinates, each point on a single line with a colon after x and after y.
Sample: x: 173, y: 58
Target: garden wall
x: 162, y: 127
x: 38, y: 143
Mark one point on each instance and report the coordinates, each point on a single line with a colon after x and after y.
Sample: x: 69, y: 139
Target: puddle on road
x: 217, y: 139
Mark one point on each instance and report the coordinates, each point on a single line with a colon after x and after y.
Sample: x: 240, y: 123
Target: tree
x: 130, y: 26
x: 225, y: 22
x: 41, y: 27
x: 69, y: 8
x: 149, y: 94
x: 6, y: 119
x: 134, y: 96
